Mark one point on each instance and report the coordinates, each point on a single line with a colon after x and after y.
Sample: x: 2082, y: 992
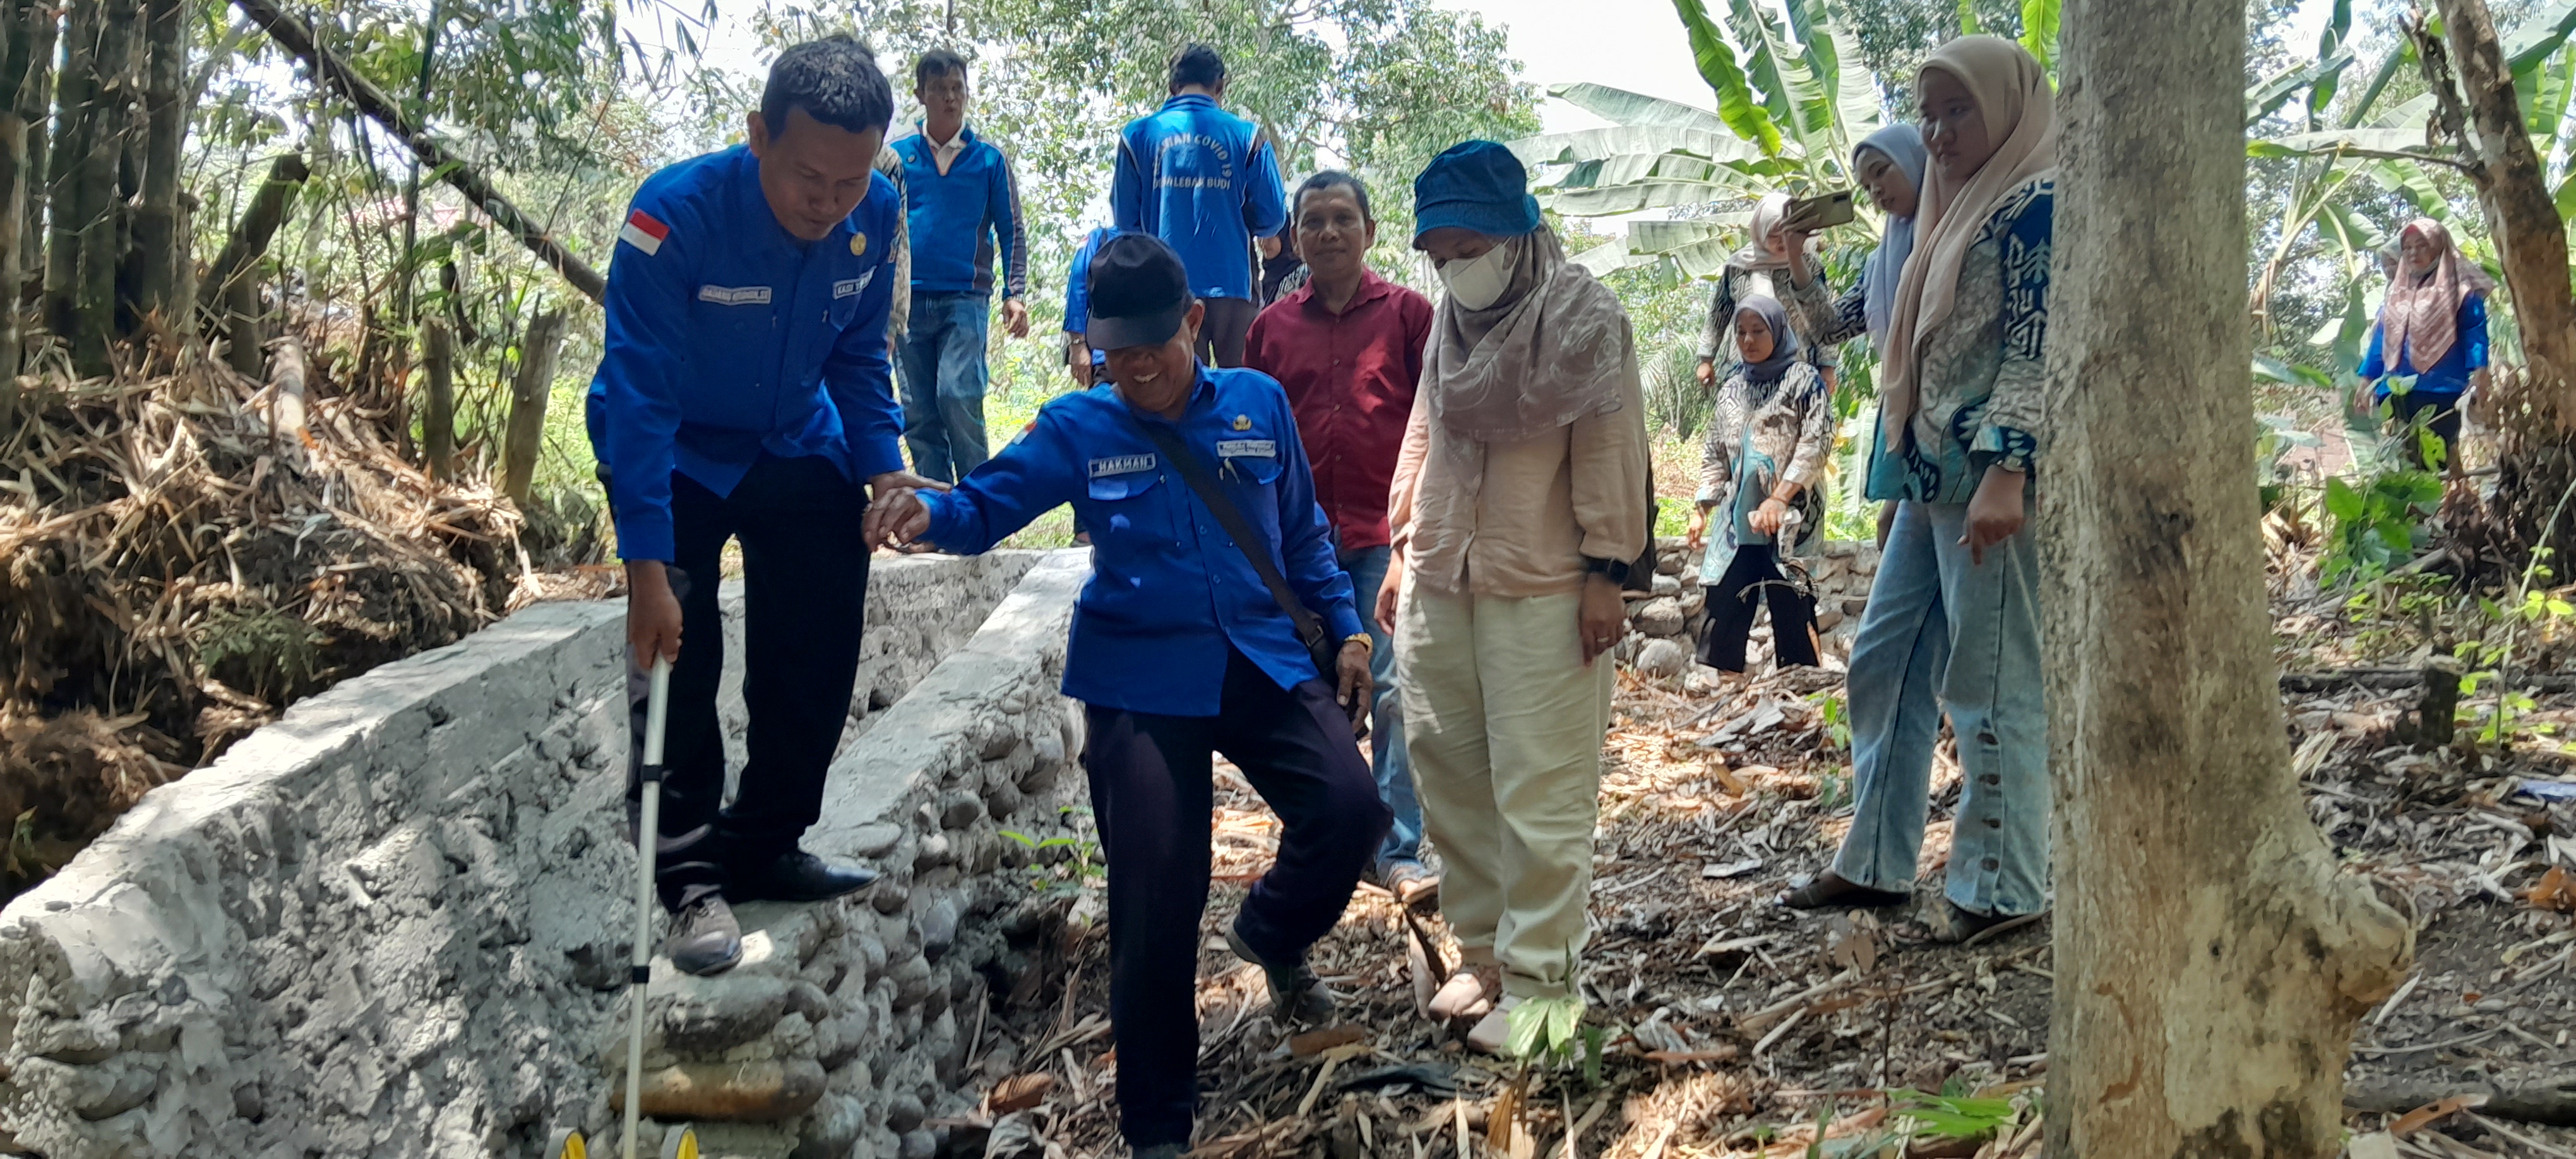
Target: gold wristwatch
x: 1362, y: 639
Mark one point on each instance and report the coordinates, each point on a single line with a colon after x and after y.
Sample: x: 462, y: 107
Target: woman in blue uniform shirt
x: 1180, y: 651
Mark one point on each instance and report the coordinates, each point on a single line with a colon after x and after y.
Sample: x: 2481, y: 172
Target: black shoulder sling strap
x: 1310, y: 627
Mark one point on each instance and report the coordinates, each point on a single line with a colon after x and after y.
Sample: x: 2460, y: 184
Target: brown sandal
x: 1830, y: 891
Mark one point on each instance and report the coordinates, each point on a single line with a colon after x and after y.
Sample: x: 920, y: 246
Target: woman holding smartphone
x: 1761, y: 267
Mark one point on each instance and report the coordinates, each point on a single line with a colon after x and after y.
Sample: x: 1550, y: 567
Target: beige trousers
x: 1503, y: 726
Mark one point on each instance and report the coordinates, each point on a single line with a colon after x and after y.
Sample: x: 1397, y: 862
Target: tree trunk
x: 26, y: 34
x: 76, y: 91
x: 109, y: 118
x: 36, y: 110
x: 158, y: 246
x: 286, y: 419
x: 2515, y: 194
x: 244, y: 329
x: 2211, y: 960
x: 249, y: 242
x: 528, y: 392
x: 438, y: 420
x: 292, y: 35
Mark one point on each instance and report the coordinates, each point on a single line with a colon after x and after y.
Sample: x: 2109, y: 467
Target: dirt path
x: 1732, y: 1022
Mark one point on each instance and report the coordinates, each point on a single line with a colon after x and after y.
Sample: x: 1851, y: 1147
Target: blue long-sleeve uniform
x: 1201, y: 179
x: 1077, y: 288
x: 964, y: 219
x: 1169, y: 592
x: 2448, y: 377
x: 729, y: 338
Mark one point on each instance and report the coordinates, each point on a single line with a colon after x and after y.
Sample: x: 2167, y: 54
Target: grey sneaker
x: 1296, y: 994
x: 704, y: 938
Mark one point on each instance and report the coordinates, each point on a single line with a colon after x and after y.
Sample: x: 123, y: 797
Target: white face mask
x: 1477, y: 283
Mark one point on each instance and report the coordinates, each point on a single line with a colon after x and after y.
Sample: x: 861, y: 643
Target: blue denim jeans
x: 1367, y: 567
x: 943, y: 384
x: 1941, y: 633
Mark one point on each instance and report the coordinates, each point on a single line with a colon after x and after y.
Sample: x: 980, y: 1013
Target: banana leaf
x: 1616, y: 199
x: 1736, y: 104
x: 1638, y: 110
x: 1622, y: 140
x: 2539, y: 36
x: 2262, y: 99
x: 2039, y: 32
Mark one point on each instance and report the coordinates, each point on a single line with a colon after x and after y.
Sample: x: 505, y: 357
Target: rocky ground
x: 1731, y: 1026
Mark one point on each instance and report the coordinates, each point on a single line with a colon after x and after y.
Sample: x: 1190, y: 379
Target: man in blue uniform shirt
x: 1204, y: 181
x: 964, y: 205
x: 1079, y: 357
x: 1179, y: 651
x: 743, y: 394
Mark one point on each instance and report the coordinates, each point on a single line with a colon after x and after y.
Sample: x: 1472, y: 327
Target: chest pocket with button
x: 1249, y: 464
x: 1130, y: 503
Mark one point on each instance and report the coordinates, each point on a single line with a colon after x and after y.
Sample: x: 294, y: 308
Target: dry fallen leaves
x: 2552, y: 892
x: 1020, y: 1092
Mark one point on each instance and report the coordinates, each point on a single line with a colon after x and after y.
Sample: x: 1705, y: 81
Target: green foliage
x: 1546, y: 1029
x: 2378, y: 525
x: 261, y: 651
x: 1084, y: 869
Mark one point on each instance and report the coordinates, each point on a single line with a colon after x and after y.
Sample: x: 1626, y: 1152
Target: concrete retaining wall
x: 394, y: 922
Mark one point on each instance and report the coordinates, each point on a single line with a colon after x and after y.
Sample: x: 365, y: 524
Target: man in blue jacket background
x: 964, y: 208
x: 1180, y: 651
x: 744, y: 395
x: 1204, y: 181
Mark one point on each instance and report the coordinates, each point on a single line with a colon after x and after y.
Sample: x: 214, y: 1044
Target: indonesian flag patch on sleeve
x: 644, y: 231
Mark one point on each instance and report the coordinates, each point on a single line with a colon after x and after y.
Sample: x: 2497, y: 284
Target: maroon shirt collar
x: 1372, y: 288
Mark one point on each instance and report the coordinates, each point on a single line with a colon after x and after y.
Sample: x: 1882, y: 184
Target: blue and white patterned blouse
x: 1982, y: 370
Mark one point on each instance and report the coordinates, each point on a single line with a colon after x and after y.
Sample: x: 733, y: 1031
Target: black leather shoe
x: 800, y: 876
x: 704, y: 937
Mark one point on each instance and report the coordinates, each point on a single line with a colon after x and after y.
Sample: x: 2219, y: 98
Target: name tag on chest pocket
x: 1122, y: 477
x: 845, y: 300
x: 1253, y: 461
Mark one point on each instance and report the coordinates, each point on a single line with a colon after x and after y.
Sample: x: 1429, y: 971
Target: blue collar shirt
x: 1169, y: 593
x: 729, y: 338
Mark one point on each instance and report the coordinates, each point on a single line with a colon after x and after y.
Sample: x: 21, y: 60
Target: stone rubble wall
x: 395, y: 922
x: 1664, y: 624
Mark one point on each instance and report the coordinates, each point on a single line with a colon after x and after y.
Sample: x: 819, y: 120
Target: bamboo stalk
x: 99, y: 215
x: 158, y: 247
x: 538, y: 350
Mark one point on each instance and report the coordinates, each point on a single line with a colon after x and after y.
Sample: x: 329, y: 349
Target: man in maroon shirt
x: 1348, y: 346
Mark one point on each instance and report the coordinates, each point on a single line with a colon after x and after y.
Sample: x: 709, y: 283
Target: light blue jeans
x: 943, y: 384
x: 1367, y: 567
x: 1941, y: 633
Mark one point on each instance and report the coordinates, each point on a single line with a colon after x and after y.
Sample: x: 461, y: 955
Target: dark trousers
x: 1151, y: 791
x: 805, y: 583
x: 2444, y: 424
x: 1222, y: 330
x: 1753, y: 573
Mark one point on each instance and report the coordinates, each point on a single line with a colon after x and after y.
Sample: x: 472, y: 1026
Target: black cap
x: 1140, y: 292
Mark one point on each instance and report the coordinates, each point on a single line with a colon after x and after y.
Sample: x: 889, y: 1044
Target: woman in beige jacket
x: 1520, y: 500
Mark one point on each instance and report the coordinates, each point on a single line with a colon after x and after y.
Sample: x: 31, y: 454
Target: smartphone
x: 1823, y: 211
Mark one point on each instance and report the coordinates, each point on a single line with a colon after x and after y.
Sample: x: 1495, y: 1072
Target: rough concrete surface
x: 394, y: 922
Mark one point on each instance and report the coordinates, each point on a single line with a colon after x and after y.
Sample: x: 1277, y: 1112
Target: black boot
x: 799, y: 876
x: 704, y: 937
